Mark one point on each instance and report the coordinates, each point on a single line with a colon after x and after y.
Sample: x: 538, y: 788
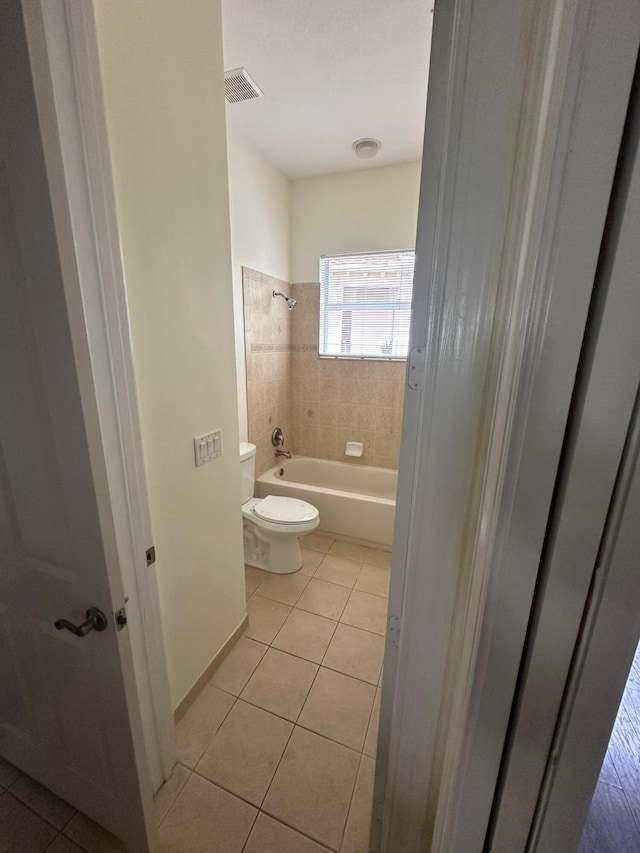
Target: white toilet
x: 273, y: 524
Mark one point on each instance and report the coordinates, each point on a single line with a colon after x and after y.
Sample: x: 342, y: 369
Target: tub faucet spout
x: 285, y: 453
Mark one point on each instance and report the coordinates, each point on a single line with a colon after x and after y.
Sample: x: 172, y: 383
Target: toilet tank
x: 247, y: 470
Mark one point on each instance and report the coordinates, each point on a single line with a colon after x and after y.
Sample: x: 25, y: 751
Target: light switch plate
x: 208, y: 446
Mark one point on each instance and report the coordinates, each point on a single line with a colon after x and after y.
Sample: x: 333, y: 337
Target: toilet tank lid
x: 247, y: 450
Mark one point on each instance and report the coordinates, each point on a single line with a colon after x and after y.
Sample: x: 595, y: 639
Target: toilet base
x: 277, y: 553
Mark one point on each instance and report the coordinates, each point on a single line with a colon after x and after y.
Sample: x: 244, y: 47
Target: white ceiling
x: 332, y: 71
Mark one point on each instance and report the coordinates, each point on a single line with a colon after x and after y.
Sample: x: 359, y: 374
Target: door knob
x: 96, y: 621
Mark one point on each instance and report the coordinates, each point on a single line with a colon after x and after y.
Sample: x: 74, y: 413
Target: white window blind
x: 365, y: 304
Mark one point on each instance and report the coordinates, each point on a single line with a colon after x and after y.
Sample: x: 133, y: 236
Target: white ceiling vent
x: 238, y: 86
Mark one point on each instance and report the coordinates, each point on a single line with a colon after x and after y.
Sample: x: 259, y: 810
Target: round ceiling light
x: 366, y: 148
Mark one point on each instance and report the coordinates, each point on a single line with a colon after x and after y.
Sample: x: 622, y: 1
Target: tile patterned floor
x: 277, y: 753
x: 297, y: 745
x: 613, y: 822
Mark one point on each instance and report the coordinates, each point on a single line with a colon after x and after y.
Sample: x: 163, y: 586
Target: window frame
x: 322, y: 325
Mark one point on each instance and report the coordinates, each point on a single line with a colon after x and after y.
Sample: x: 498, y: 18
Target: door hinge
x: 151, y: 555
x: 121, y: 618
x: 417, y: 368
x: 394, y: 630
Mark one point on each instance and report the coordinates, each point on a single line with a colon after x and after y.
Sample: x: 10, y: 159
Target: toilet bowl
x: 272, y: 525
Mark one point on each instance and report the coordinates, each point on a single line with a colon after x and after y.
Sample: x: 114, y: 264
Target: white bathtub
x: 356, y: 501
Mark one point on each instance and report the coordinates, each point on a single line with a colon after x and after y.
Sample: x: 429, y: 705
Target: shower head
x: 291, y: 303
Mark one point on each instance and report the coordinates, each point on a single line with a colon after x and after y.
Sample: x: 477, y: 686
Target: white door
x: 68, y: 708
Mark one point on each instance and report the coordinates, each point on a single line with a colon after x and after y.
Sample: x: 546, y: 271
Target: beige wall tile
x: 346, y: 414
x: 327, y: 413
x: 384, y: 419
x: 366, y: 417
x: 328, y: 390
x: 367, y: 393
x: 328, y: 368
x: 327, y: 442
x: 347, y: 390
x: 298, y: 391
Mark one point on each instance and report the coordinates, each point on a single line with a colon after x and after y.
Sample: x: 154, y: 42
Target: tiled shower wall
x: 338, y: 400
x: 267, y: 329
x: 324, y: 402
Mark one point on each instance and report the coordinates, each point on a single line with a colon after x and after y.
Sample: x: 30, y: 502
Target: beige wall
x: 267, y: 335
x: 364, y: 211
x: 167, y: 134
x: 259, y: 197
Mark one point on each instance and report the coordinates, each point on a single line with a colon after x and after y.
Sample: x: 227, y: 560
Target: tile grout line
x: 296, y: 829
x: 353, y: 791
x: 30, y: 808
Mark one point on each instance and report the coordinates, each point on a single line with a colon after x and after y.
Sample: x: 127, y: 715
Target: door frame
x: 469, y: 428
x: 65, y: 63
x: 488, y: 418
x: 601, y: 412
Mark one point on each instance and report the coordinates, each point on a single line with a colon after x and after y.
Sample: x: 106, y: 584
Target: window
x: 365, y: 304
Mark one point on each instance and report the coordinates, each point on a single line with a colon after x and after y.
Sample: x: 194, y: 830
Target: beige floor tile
x: 252, y: 579
x: 166, y: 796
x: 379, y: 558
x: 324, y: 598
x: 355, y: 652
x: 8, y: 774
x: 338, y: 570
x: 63, y: 845
x: 21, y: 829
x: 374, y: 579
x: 371, y: 740
x: 317, y: 542
x: 42, y: 801
x: 91, y: 837
x: 280, y: 684
x: 356, y: 836
x: 266, y: 617
x: 205, y: 819
x: 366, y: 611
x: 310, y: 561
x: 244, y: 754
x: 338, y: 707
x: 286, y: 589
x: 238, y: 666
x: 200, y: 723
x: 350, y: 551
x: 312, y: 788
x: 271, y: 836
x: 306, y: 635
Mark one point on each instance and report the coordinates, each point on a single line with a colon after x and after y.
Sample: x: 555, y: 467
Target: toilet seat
x: 285, y: 511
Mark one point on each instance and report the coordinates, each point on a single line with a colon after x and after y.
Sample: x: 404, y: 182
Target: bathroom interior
x: 288, y: 720
x: 272, y: 324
